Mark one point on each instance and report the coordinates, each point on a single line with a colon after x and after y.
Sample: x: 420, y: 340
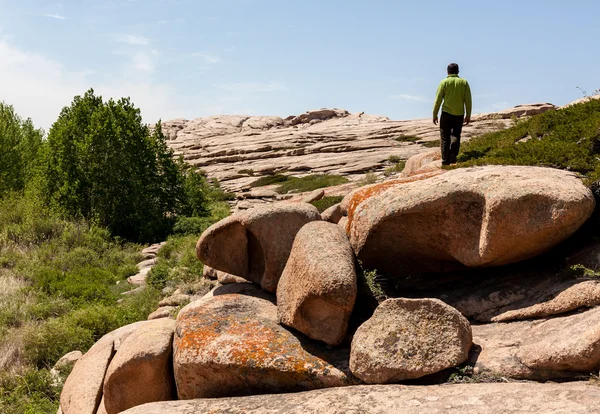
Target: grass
x: 269, y: 180
x: 432, y: 144
x: 326, y: 202
x: 567, y: 139
x: 407, y: 138
x: 299, y: 184
x: 60, y: 290
x: 394, y: 169
x: 310, y: 183
x: 369, y: 178
x: 249, y: 172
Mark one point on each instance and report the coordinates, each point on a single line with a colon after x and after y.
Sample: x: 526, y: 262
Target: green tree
x: 104, y: 164
x: 20, y: 143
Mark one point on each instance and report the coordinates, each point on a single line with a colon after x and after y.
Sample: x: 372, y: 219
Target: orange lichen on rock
x: 233, y: 345
x: 354, y: 199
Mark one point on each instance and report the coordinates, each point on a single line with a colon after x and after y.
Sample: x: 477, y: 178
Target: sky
x: 192, y: 58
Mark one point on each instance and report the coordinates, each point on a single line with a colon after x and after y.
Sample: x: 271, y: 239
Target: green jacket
x: 456, y: 94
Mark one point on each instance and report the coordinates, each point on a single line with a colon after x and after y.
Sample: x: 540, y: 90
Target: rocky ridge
x: 236, y: 150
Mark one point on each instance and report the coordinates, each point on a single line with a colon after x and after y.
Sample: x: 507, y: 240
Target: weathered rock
x: 423, y: 163
x: 162, y: 312
x: 562, y: 347
x: 175, y: 300
x: 317, y: 289
x: 518, y: 111
x: 139, y: 279
x: 141, y: 371
x: 343, y: 223
x: 261, y: 193
x: 588, y: 257
x: 409, y: 338
x: 209, y: 273
x: 582, y: 100
x: 231, y: 345
x: 83, y: 388
x: 255, y: 244
x: 494, y: 398
x: 67, y: 360
x: 151, y: 251
x: 313, y: 196
x: 333, y: 214
x: 347, y: 144
x: 227, y: 279
x: 483, y: 216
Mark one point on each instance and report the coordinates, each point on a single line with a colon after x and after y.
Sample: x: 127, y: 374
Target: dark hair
x: 453, y: 69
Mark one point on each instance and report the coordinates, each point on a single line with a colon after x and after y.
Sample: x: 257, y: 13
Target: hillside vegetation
x: 567, y: 139
x: 74, y: 207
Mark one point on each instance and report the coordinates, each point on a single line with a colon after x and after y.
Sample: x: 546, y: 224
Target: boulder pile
x: 292, y: 320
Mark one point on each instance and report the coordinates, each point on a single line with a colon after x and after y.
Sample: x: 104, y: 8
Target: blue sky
x: 180, y: 58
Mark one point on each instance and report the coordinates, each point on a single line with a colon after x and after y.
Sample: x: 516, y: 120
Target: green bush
x: 20, y: 142
x: 30, y: 392
x: 567, y: 138
x: 407, y: 138
x: 326, y: 202
x: 310, y: 182
x: 269, y: 180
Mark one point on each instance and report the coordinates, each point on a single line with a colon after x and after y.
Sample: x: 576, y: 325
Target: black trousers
x: 450, y: 130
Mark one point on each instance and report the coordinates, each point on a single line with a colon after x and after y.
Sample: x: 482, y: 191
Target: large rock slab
x: 562, y: 347
x: 409, y: 338
x: 317, y: 290
x: 572, y: 398
x: 232, y: 345
x: 237, y: 150
x: 482, y: 216
x: 424, y: 162
x: 142, y: 369
x: 83, y: 388
x: 255, y: 244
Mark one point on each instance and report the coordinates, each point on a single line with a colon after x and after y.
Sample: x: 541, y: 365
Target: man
x: 456, y: 95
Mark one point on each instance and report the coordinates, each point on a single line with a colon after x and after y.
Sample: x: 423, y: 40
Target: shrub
x: 31, y: 391
x: 310, y: 182
x: 369, y: 178
x: 407, y: 138
x: 326, y: 202
x: 567, y: 138
x: 269, y: 180
x: 399, y: 167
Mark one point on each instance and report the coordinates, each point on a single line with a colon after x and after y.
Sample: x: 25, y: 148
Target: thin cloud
x: 134, y: 40
x: 207, y: 57
x: 56, y: 16
x: 144, y: 61
x: 408, y: 97
x: 253, y: 87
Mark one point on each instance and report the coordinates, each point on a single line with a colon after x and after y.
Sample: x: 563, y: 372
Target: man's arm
x: 438, y: 102
x: 468, y: 104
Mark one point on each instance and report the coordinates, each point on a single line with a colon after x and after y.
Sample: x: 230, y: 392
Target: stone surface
x: 333, y: 214
x: 83, y: 388
x: 227, y: 279
x: 231, y: 344
x: 142, y: 370
x: 525, y: 398
x: 482, y: 216
x: 518, y: 111
x: 255, y: 244
x: 562, y: 347
x: 209, y: 273
x: 314, y: 196
x: 525, y: 291
x: 146, y: 263
x: 317, y: 289
x: 175, y: 300
x: 588, y: 257
x: 424, y: 162
x: 162, y: 312
x: 341, y: 143
x: 407, y: 339
x: 139, y: 279
x: 67, y: 360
